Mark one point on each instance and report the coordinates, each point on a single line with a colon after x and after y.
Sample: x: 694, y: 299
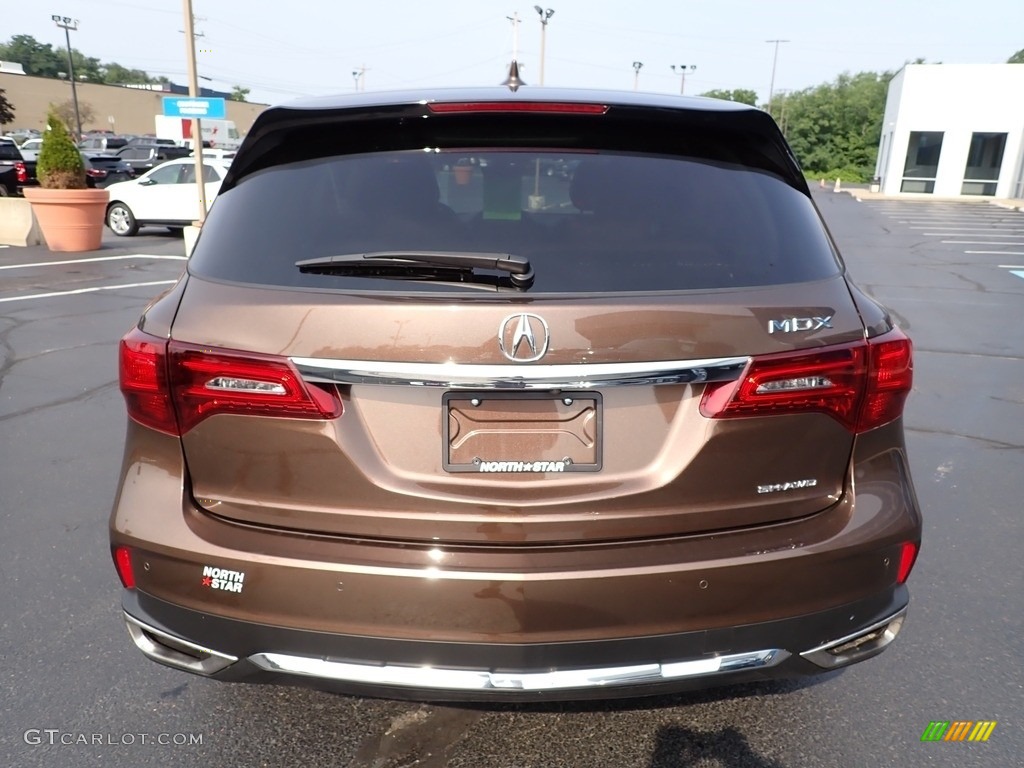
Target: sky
x: 283, y: 49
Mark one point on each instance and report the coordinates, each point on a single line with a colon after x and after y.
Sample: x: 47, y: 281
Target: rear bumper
x: 239, y: 651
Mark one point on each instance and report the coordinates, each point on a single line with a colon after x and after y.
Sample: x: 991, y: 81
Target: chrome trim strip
x: 826, y: 657
x: 210, y: 661
x: 459, y: 376
x: 439, y: 678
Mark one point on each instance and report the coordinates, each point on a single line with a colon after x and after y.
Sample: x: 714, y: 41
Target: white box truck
x: 217, y: 134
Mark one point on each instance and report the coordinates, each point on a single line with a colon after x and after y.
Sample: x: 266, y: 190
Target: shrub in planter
x: 69, y: 213
x: 59, y: 165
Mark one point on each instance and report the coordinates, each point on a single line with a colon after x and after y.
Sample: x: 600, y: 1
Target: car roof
x: 305, y: 113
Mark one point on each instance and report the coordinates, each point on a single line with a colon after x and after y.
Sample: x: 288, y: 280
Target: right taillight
x: 890, y: 377
x: 20, y: 172
x: 862, y: 385
x: 171, y: 386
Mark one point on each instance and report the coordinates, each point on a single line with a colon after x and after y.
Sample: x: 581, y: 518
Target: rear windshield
x: 587, y: 221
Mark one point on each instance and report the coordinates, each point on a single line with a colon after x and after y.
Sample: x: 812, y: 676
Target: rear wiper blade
x: 518, y: 267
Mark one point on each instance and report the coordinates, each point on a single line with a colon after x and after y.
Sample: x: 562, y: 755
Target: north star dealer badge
x: 223, y: 579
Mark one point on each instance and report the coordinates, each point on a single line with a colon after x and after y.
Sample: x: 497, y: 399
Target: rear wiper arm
x: 518, y: 267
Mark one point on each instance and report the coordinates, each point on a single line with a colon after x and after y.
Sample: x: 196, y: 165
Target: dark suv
x: 422, y: 419
x: 142, y: 157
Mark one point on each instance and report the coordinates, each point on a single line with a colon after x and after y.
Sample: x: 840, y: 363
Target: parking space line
x: 1001, y: 253
x: 94, y: 258
x: 958, y: 228
x: 86, y: 290
x: 975, y: 242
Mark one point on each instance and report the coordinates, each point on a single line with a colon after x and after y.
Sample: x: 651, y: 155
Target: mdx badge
x: 523, y: 337
x: 792, y: 324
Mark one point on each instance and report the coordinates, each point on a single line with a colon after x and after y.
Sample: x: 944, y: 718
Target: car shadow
x: 680, y: 747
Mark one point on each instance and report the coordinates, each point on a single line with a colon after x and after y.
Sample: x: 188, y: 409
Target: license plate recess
x: 522, y: 432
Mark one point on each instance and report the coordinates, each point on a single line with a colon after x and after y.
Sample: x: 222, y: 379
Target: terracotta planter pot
x: 71, y: 219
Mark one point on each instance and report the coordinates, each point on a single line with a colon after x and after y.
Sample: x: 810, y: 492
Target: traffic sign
x: 198, y: 107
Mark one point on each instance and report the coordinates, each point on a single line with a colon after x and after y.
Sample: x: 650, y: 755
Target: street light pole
x: 67, y: 23
x: 775, y: 60
x: 682, y: 73
x: 545, y: 16
x: 193, y: 91
x: 637, y: 65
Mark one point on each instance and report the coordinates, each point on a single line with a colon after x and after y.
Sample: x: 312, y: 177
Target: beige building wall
x: 132, y: 110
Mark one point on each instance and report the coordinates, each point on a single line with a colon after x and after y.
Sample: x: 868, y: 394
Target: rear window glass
x: 587, y: 221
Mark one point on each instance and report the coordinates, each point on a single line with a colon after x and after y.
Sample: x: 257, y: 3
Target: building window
x: 922, y: 161
x: 984, y: 160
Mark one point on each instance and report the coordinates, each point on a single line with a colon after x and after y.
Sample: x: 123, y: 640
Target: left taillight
x: 20, y: 172
x: 171, y: 386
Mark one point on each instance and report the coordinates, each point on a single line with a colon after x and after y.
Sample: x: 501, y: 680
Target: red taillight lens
x: 830, y: 380
x: 171, y: 386
x: 20, y: 172
x: 862, y: 385
x: 891, y: 375
x: 96, y: 173
x: 207, y: 381
x: 123, y: 564
x: 908, y: 556
x: 143, y: 373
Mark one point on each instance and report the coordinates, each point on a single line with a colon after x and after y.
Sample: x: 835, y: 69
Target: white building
x: 954, y: 130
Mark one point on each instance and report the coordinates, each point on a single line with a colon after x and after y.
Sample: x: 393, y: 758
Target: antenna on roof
x: 513, y: 81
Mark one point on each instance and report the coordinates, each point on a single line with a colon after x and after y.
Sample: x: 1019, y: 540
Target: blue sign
x: 198, y: 107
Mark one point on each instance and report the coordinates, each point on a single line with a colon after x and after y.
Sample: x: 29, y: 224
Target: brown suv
x: 474, y: 394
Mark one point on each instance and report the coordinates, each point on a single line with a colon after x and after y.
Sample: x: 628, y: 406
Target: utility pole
x: 514, y: 18
x: 637, y: 65
x: 775, y: 60
x: 545, y: 16
x: 66, y: 23
x: 682, y: 74
x: 193, y: 91
x: 359, y: 75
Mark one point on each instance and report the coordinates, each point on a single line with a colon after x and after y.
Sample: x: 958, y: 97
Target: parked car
x: 102, y: 143
x: 16, y: 172
x: 227, y: 155
x: 143, y: 157
x: 149, y: 139
x: 165, y: 196
x: 102, y: 170
x: 30, y: 148
x: 621, y: 430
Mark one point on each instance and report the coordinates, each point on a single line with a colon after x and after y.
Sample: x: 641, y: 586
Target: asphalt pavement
x: 75, y: 692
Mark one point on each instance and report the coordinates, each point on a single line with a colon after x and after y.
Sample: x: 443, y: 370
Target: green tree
x: 60, y: 163
x: 115, y: 74
x: 834, y: 128
x: 238, y: 93
x: 6, y: 109
x: 36, y: 58
x: 740, y: 95
x: 1017, y: 58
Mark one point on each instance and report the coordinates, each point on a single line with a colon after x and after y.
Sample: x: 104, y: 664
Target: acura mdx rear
x: 475, y: 394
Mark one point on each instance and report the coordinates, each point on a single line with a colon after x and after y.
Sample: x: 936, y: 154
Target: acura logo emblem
x: 523, y: 338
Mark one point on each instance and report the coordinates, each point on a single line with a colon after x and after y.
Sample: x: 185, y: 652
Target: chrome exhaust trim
x: 438, y: 678
x: 175, y: 652
x: 861, y: 645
